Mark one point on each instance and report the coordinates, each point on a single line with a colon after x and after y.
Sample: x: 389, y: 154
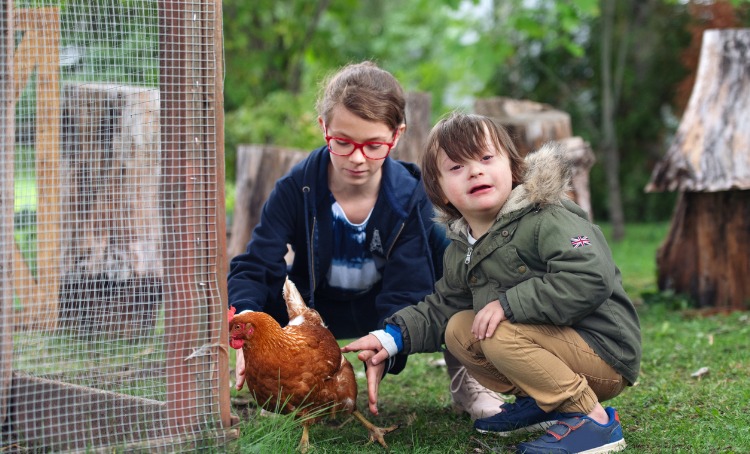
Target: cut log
x: 112, y: 162
x: 706, y: 254
x: 580, y: 154
x: 530, y: 124
x: 258, y: 168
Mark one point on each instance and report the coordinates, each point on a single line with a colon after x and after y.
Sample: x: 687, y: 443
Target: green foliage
x: 118, y: 40
x: 281, y: 118
x: 571, y: 81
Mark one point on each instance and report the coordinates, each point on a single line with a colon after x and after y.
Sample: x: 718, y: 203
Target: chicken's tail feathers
x: 295, y: 305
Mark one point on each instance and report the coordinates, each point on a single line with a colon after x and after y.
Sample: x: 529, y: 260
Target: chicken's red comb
x: 230, y: 313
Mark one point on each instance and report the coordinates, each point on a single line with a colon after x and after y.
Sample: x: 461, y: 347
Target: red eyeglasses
x: 371, y: 150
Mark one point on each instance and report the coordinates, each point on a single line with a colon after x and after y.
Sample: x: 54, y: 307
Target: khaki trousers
x: 552, y: 364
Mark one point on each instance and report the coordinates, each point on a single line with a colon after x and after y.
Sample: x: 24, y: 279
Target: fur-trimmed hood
x: 546, y: 182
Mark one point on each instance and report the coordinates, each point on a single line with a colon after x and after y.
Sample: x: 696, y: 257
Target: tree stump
x: 580, y: 154
x: 111, y: 262
x: 707, y: 253
x: 258, y: 168
x: 418, y: 124
x: 531, y: 124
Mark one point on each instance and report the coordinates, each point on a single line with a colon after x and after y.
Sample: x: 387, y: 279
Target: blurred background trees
x: 622, y: 69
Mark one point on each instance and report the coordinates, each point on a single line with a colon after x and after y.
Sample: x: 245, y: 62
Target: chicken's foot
x: 376, y: 433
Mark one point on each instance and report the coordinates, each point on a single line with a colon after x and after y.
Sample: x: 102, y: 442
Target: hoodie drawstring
x: 311, y: 270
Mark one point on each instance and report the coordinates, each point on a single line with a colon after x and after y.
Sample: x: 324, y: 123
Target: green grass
x: 667, y: 410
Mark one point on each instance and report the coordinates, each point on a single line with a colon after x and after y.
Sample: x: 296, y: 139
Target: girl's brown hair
x: 464, y: 137
x: 367, y: 91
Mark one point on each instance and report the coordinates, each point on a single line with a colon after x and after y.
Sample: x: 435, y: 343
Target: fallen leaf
x: 700, y: 372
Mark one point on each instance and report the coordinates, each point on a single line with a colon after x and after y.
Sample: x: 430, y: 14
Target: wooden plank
x: 57, y: 416
x: 215, y: 106
x: 7, y: 154
x: 47, y: 25
x: 24, y: 61
x: 24, y: 285
x: 180, y: 175
x: 49, y: 415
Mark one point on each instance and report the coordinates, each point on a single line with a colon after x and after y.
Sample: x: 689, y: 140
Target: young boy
x: 530, y: 300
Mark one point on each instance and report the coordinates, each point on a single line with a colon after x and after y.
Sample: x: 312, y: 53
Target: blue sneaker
x: 524, y: 415
x: 576, y: 433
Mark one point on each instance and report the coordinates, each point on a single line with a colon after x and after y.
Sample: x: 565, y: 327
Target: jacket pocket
x: 514, y: 269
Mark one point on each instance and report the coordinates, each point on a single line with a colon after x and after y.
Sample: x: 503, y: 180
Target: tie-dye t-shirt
x: 353, y: 268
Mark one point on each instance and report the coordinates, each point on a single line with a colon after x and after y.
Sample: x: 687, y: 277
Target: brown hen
x: 298, y: 368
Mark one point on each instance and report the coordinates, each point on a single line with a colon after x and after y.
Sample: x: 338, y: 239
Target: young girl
x: 530, y: 300
x: 360, y: 224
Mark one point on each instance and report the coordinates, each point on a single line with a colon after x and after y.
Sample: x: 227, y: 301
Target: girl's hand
x: 372, y: 353
x: 487, y: 320
x: 239, y: 370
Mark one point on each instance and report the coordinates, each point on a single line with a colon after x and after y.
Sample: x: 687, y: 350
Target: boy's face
x: 478, y: 188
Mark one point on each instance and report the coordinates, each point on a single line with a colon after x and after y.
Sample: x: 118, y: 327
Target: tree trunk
x: 609, y: 139
x: 705, y: 254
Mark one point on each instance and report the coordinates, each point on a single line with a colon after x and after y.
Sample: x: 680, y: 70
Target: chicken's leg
x: 376, y: 433
x: 304, y: 442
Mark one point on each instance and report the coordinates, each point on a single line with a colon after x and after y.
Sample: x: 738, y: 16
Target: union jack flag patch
x: 580, y: 241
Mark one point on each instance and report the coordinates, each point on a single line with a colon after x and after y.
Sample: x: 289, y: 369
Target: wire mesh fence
x: 113, y: 235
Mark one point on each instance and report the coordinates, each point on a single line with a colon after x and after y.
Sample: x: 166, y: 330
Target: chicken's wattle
x: 236, y: 343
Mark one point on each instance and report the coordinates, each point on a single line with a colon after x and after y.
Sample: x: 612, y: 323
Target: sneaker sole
x: 611, y: 447
x: 528, y: 429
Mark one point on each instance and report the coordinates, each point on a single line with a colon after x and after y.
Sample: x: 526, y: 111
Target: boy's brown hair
x: 369, y: 92
x: 464, y: 137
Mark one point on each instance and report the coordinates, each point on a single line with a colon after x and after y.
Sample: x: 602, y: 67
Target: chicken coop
x: 113, y: 270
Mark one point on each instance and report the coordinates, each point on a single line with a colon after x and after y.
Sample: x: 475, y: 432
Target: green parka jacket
x: 546, y: 264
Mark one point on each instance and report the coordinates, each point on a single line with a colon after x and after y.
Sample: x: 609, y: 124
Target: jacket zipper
x: 312, y: 256
x: 393, y: 243
x: 468, y: 255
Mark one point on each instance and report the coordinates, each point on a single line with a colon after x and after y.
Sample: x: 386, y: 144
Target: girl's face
x: 356, y: 169
x: 478, y: 188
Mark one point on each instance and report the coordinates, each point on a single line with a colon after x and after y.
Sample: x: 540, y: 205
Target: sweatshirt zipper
x: 468, y: 255
x: 393, y: 243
